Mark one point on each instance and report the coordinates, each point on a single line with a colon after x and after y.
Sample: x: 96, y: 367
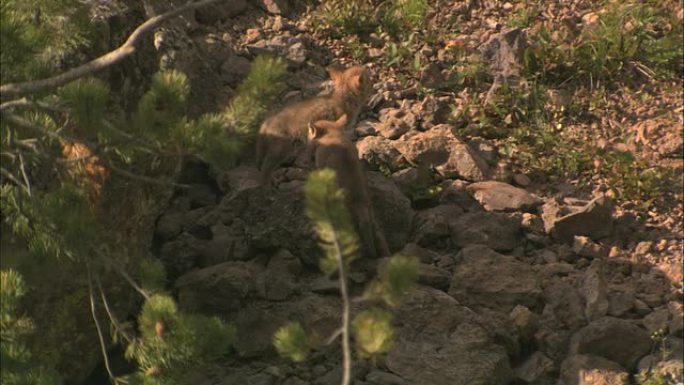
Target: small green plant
x: 649, y: 376
x: 639, y: 37
x: 169, y: 340
x: 254, y: 95
x: 525, y: 15
x: 325, y: 206
x: 347, y: 17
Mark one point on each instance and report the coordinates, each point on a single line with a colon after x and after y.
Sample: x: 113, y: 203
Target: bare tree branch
x: 114, y: 320
x: 103, y: 347
x: 128, y: 48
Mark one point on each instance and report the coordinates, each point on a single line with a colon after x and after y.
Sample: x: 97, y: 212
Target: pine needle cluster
x: 255, y: 94
x: 17, y: 366
x: 171, y: 341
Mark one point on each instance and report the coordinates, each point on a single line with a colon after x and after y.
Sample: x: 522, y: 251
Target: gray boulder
x: 486, y: 278
x: 440, y: 342
x: 614, y: 339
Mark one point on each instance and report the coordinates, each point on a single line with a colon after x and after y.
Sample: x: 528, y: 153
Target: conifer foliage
x: 171, y: 341
x: 372, y: 328
x: 72, y: 163
x: 18, y: 367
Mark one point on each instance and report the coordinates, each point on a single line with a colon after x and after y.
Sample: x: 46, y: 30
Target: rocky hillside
x: 529, y: 153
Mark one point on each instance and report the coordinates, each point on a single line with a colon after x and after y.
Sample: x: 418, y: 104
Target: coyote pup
x: 283, y: 133
x: 332, y: 149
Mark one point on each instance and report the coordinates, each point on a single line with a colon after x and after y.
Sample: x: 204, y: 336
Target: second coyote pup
x: 285, y: 132
x: 333, y: 150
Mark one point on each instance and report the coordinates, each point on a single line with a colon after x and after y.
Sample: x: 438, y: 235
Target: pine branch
x: 97, y: 325
x: 114, y: 320
x: 21, y: 122
x: 128, y: 48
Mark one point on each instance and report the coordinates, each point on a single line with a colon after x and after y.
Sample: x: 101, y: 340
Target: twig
x: 22, y: 167
x: 97, y: 325
x: 115, y: 321
x: 346, y: 351
x: 15, y: 103
x: 102, y: 62
x: 333, y: 336
x: 21, y: 122
x: 14, y: 179
x: 128, y: 278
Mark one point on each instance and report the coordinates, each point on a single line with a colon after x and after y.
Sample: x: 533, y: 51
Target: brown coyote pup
x: 333, y: 150
x: 283, y: 133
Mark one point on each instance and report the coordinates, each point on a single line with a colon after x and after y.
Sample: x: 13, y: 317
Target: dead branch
x: 128, y: 48
x: 100, y: 336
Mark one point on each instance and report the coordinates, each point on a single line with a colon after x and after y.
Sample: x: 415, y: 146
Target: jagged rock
x: 666, y: 364
x: 424, y: 255
x: 431, y: 76
x: 393, y: 210
x: 657, y: 321
x: 377, y: 152
x: 278, y: 7
x: 434, y: 110
x: 180, y: 255
x: 438, y: 147
x: 212, y: 13
x: 274, y: 219
x: 432, y: 225
x: 676, y: 325
x: 279, y: 279
x: 392, y: 128
x: 219, y: 289
x: 169, y: 225
x: 257, y: 322
x: 434, y: 276
x: 495, y: 230
x: 505, y: 52
x: 442, y: 343
x: 234, y: 70
x: 289, y: 47
x: 200, y: 195
x: 486, y: 149
x: 585, y: 247
x: 366, y: 128
x: 595, y: 292
x: 564, y: 304
x: 225, y: 245
x: 614, y: 339
x: 455, y: 192
x: 537, y: 369
x: 552, y: 341
x: 377, y: 377
x: 525, y: 321
x: 620, y: 301
x: 501, y: 326
x: 395, y: 122
x: 407, y: 179
x: 593, y: 219
x: 498, y: 196
x: 583, y: 369
x: 487, y: 278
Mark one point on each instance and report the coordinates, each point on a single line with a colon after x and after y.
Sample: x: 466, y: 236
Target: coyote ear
x: 342, y: 121
x: 315, y: 131
x: 335, y: 72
